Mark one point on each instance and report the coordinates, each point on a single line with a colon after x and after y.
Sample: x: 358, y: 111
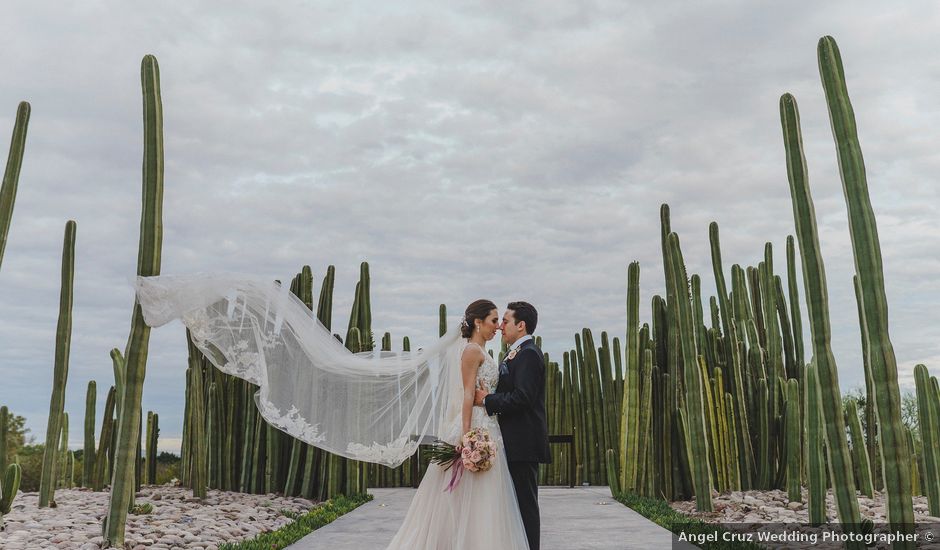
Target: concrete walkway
x: 572, y: 519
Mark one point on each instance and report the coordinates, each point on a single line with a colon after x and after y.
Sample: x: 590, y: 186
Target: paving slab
x: 572, y: 519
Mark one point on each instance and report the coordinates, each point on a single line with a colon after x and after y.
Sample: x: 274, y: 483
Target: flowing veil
x: 373, y: 406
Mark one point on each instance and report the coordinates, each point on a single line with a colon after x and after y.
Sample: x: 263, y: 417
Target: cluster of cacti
x: 228, y: 445
x: 47, y: 483
x: 701, y: 398
x: 126, y: 455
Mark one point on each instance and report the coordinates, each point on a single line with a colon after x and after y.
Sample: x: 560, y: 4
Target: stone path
x: 572, y: 519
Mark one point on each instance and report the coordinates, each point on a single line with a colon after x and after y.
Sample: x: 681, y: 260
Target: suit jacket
x: 519, y: 402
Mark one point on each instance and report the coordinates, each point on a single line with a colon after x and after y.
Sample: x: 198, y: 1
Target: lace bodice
x: 488, y: 374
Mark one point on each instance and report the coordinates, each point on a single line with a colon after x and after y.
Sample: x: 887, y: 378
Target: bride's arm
x: 470, y: 362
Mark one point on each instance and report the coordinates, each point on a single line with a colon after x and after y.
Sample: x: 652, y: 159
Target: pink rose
x: 475, y: 456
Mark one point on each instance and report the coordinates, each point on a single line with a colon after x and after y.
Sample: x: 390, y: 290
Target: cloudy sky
x: 489, y: 149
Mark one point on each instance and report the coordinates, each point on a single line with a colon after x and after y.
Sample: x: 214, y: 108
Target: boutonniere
x: 512, y: 353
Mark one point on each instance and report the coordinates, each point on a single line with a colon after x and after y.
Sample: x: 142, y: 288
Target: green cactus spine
x: 11, y: 174
x: 817, y: 301
x: 928, y: 414
x: 47, y: 481
x: 148, y: 264
x: 868, y: 266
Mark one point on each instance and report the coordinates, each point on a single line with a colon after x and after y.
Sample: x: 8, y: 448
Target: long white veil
x: 372, y: 406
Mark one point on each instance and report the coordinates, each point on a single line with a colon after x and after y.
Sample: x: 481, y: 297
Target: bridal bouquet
x: 475, y: 452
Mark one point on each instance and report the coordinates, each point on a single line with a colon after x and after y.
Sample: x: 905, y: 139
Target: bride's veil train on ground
x: 372, y: 406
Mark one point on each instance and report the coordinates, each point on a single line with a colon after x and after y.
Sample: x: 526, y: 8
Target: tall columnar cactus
x: 871, y: 422
x: 698, y: 440
x: 794, y: 295
x: 859, y: 452
x: 62, y: 465
x: 442, y: 320
x: 153, y: 435
x: 88, y: 452
x: 817, y: 301
x: 63, y: 341
x: 104, y: 441
x: 11, y: 174
x: 629, y: 421
x: 928, y: 415
x: 148, y: 264
x: 794, y: 432
x: 4, y: 434
x: 868, y: 266
x: 8, y: 489
x: 815, y: 441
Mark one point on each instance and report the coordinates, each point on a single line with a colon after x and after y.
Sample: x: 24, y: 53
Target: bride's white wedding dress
x: 373, y: 406
x: 481, y: 513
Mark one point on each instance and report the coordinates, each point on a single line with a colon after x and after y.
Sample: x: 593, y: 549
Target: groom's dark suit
x: 519, y: 402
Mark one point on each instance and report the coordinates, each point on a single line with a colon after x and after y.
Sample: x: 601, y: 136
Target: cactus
x: 4, y: 433
x: 442, y: 320
x: 62, y: 462
x: 928, y: 415
x: 629, y: 420
x: 868, y: 266
x: 612, y: 473
x: 148, y: 264
x: 88, y: 452
x: 731, y: 336
x: 816, y: 464
x: 699, y: 455
x: 859, y: 452
x: 47, y: 481
x: 871, y: 423
x: 8, y: 489
x: 153, y: 434
x: 11, y: 174
x: 107, y: 426
x: 793, y: 440
x: 817, y: 301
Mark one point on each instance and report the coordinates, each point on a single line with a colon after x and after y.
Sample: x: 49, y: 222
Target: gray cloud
x: 487, y: 149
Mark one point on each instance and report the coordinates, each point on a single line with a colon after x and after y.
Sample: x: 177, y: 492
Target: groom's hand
x: 478, y: 397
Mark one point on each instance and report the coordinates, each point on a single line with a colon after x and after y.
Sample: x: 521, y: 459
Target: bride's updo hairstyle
x: 479, y: 309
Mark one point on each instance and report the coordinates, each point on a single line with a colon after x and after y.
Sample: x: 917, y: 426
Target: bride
x: 371, y: 406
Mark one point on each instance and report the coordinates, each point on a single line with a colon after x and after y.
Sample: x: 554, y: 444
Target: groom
x: 519, y: 403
